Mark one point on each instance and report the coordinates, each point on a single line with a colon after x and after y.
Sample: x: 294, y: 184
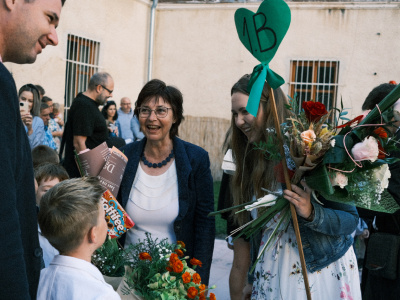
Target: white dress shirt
x: 70, y: 278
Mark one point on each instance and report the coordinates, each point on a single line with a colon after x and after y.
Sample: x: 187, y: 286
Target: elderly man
x: 130, y: 129
x: 86, y: 127
x: 26, y: 28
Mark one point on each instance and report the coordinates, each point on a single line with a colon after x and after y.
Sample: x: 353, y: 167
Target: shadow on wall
x: 208, y: 133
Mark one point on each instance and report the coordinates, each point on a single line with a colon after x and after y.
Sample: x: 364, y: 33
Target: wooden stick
x: 289, y: 187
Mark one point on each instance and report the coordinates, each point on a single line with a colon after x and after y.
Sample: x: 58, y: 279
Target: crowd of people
x: 53, y: 220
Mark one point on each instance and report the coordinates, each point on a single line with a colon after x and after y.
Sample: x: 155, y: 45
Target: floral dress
x: 278, y: 276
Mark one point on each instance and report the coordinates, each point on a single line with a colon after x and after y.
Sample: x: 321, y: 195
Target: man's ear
x: 10, y: 4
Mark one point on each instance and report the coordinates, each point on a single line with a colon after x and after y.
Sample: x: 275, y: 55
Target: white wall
x: 121, y: 27
x: 198, y: 50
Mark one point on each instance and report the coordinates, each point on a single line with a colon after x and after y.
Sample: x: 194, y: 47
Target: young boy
x: 72, y: 218
x: 47, y: 176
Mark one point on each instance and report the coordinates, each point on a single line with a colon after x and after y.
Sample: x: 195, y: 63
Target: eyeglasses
x: 110, y: 91
x: 161, y: 111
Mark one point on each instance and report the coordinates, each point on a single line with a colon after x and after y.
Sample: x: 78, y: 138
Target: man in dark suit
x: 26, y: 28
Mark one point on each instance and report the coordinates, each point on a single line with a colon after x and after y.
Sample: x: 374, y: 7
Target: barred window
x: 314, y: 80
x: 82, y: 63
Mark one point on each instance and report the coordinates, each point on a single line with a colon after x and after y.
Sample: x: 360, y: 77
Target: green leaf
x: 338, y: 154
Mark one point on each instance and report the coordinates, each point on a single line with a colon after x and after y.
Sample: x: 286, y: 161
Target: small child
x: 47, y: 176
x: 43, y: 154
x: 72, y: 218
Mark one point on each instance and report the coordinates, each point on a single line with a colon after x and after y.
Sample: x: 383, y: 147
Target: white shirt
x: 72, y: 278
x: 153, y: 205
x: 48, y: 250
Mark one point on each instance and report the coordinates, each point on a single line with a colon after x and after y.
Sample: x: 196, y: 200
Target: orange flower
x: 212, y: 297
x: 182, y: 244
x: 192, y: 292
x: 173, y: 258
x: 177, y: 266
x: 169, y: 268
x: 202, y: 297
x: 179, y: 252
x: 202, y: 288
x: 308, y: 137
x: 196, y: 262
x: 144, y: 256
x: 186, y: 277
x: 381, y: 132
x: 382, y: 153
x: 196, y: 278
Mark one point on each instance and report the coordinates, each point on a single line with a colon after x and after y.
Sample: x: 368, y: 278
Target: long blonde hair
x: 253, y: 171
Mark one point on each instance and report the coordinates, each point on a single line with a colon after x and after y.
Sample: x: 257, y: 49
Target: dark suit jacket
x: 20, y: 253
x: 196, y: 198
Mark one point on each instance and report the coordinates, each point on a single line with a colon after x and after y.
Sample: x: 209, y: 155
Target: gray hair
x: 100, y: 78
x: 68, y: 211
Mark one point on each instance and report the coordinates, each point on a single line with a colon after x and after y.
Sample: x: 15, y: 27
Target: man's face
x: 45, y: 115
x: 32, y: 27
x: 126, y: 105
x: 105, y: 91
x: 50, y: 104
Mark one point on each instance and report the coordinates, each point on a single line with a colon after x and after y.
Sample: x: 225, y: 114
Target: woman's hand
x: 300, y: 199
x: 27, y: 120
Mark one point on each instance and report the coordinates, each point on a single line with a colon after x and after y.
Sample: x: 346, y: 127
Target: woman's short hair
x: 68, y: 211
x: 35, y: 111
x: 155, y: 89
x: 105, y: 108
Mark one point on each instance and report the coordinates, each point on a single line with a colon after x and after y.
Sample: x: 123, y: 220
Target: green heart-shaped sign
x: 262, y: 32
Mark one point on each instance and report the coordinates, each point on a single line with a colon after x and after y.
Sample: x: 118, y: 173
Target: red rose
x: 314, y: 110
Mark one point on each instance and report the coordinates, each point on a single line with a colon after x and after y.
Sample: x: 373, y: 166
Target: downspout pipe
x: 151, y: 40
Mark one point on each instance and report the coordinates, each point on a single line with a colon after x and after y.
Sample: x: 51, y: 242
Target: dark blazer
x: 196, y: 198
x: 20, y: 252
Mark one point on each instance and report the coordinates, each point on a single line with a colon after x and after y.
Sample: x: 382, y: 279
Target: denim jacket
x: 328, y: 237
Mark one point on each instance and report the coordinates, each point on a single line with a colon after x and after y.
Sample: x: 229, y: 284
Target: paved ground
x: 220, y: 268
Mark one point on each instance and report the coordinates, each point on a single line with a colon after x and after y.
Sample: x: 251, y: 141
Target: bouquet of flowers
x: 159, y: 271
x: 346, y: 163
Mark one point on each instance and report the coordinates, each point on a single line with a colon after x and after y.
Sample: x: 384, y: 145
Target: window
x: 314, y: 80
x: 82, y: 63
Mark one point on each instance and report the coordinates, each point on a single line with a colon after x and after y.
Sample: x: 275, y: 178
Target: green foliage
x: 110, y: 259
x: 270, y: 148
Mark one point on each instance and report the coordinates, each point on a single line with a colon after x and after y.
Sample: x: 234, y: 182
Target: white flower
x: 366, y: 150
x: 333, y: 142
x: 267, y: 200
x: 381, y: 175
x: 339, y: 179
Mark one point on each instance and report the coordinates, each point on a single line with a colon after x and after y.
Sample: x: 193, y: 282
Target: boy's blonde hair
x: 68, y: 211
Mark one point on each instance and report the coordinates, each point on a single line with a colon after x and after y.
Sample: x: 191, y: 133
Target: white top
x: 48, y: 250
x: 153, y: 205
x: 72, y: 278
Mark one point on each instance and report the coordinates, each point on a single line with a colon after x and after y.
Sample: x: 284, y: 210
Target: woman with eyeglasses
x: 29, y: 99
x: 167, y: 188
x: 110, y: 113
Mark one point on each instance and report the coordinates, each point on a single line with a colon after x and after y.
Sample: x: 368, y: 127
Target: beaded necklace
x: 160, y: 164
